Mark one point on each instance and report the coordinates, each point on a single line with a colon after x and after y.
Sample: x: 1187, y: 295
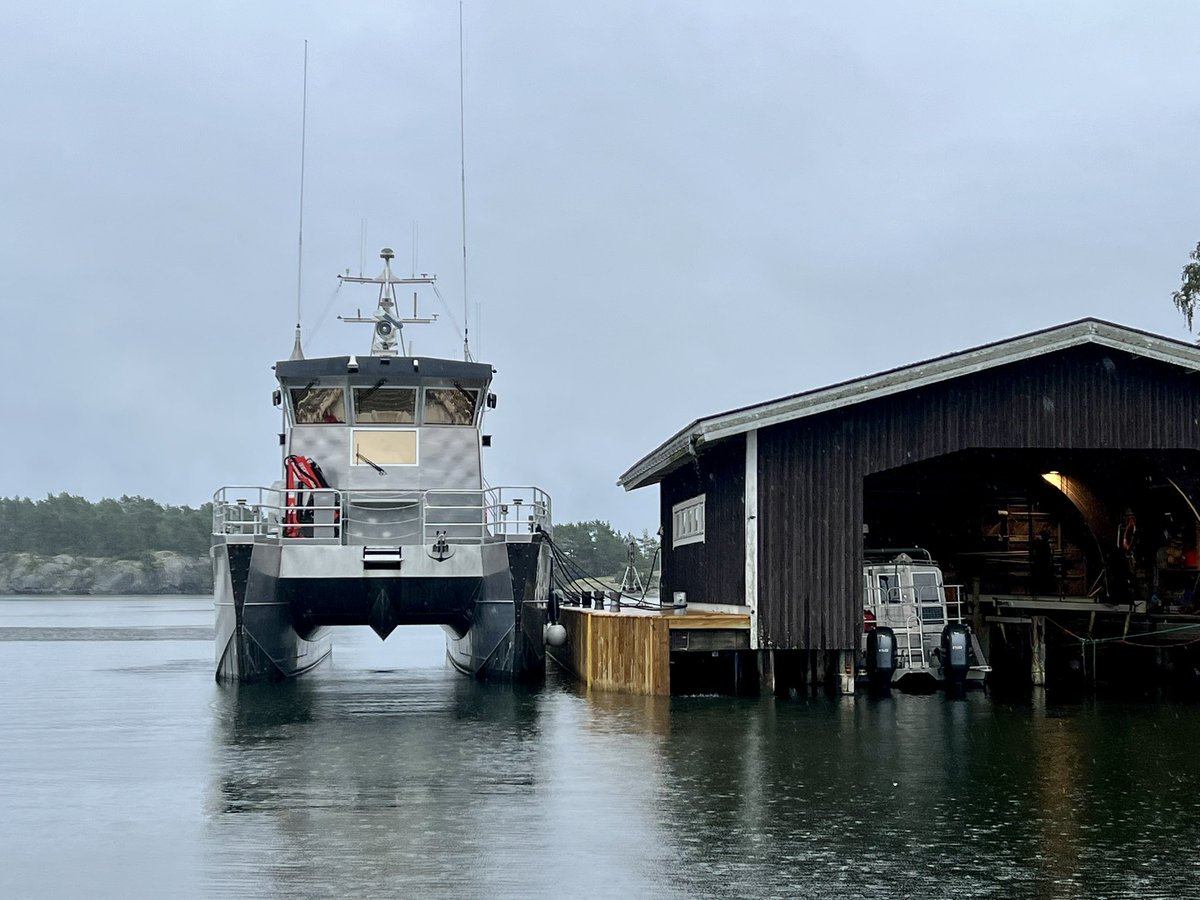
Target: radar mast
x: 388, y: 338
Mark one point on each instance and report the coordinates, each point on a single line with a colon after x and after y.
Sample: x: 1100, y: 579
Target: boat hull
x: 274, y: 604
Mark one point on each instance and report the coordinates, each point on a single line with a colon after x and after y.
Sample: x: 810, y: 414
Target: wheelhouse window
x: 687, y: 522
x: 385, y: 405
x: 889, y: 589
x: 450, y: 406
x: 925, y: 585
x: 377, y: 448
x: 319, y: 406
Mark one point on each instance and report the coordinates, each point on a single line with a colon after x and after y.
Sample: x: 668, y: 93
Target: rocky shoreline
x: 163, y: 572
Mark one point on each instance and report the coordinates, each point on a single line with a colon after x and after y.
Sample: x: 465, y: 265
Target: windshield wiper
x: 372, y: 389
x: 374, y: 465
x: 468, y: 394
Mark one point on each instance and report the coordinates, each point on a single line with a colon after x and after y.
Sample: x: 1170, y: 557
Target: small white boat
x: 917, y: 622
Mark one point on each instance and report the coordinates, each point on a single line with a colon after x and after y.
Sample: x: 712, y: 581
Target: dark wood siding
x: 713, y: 571
x: 811, y: 470
x: 810, y: 502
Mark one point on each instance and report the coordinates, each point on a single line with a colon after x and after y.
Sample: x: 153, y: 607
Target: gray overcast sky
x: 673, y: 209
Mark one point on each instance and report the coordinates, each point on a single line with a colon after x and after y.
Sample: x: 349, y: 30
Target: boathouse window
x: 319, y: 406
x: 385, y: 406
x: 687, y: 522
x: 450, y: 406
x: 384, y: 448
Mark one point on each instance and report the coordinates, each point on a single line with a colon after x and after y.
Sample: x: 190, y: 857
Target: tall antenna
x: 462, y: 156
x: 362, y: 245
x: 297, y: 352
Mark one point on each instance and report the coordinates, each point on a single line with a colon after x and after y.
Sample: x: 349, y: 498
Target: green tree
x: 129, y: 527
x: 600, y: 550
x: 647, y: 545
x: 1185, y: 298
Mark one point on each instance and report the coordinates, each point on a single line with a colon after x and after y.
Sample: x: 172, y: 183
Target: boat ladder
x: 912, y: 650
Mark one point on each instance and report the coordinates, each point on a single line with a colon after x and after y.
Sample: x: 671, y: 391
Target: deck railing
x: 892, y: 607
x: 379, y: 517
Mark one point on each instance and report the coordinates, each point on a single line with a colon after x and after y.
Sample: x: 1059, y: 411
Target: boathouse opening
x: 1117, y: 526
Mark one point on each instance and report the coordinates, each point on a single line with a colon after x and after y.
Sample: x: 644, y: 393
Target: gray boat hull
x: 274, y: 604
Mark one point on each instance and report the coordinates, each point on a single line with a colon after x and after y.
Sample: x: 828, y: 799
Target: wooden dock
x: 1130, y: 642
x: 630, y: 650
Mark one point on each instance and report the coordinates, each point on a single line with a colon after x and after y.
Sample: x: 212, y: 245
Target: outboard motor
x: 881, y: 659
x: 956, y: 657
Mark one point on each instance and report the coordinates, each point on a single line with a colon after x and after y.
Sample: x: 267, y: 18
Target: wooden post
x: 766, y: 671
x: 1037, y: 662
x: 846, y: 670
x: 751, y: 534
x: 984, y: 635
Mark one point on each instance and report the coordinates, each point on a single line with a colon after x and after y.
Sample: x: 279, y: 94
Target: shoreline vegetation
x: 152, y: 572
x: 68, y: 545
x: 132, y: 545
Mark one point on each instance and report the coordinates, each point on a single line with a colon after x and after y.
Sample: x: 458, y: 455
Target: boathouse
x: 1064, y: 463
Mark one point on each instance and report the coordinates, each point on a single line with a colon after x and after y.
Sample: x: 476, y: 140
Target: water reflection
x: 388, y: 779
x: 418, y: 781
x: 1056, y: 746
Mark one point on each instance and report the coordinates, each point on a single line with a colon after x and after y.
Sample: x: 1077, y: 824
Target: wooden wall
x: 616, y: 652
x: 630, y: 651
x: 712, y: 571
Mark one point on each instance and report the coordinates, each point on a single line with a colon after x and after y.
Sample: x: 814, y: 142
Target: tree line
x: 603, y: 552
x: 121, y: 529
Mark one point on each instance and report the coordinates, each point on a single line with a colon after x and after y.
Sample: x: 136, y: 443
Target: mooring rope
x: 1124, y: 639
x: 570, y: 566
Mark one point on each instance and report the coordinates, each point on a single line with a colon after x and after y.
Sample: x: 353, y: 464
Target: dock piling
x: 1037, y: 661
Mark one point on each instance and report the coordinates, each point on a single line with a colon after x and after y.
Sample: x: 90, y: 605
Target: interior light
x: 1055, y: 479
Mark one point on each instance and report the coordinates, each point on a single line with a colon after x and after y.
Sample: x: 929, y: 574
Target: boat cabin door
x: 902, y: 596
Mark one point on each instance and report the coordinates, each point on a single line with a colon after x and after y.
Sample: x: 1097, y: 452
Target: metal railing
x: 891, y: 607
x: 380, y: 517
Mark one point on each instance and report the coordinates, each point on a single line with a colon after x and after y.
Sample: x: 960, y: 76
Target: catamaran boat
x: 382, y: 517
x: 928, y: 643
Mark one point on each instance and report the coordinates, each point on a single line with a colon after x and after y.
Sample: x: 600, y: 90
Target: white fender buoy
x: 555, y: 635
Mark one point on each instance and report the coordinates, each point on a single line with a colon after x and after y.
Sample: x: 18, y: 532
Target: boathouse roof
x: 669, y: 455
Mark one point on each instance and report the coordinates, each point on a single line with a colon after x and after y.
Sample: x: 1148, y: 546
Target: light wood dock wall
x: 618, y: 652
x: 630, y: 651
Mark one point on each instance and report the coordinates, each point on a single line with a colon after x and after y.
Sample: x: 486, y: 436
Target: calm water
x: 125, y: 771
